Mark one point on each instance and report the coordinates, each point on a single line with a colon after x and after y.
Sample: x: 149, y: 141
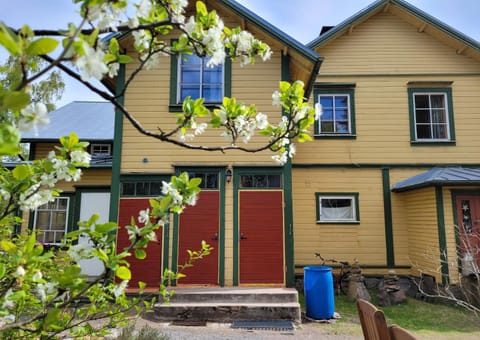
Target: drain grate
x: 277, y: 325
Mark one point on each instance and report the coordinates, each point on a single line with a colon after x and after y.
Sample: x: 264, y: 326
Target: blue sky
x: 301, y: 19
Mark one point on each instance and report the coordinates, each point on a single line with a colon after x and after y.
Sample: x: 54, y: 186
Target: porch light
x: 228, y: 175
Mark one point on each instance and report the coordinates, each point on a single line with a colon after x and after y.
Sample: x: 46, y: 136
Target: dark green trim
x: 380, y: 166
x: 221, y: 228
x: 387, y: 211
x: 327, y: 85
x: 144, y: 177
x: 332, y: 89
x: 434, y: 143
x: 333, y: 194
x: 411, y: 110
x: 442, y: 241
x: 174, y: 106
x: 364, y: 266
x: 117, y: 148
x: 337, y: 136
x: 288, y: 202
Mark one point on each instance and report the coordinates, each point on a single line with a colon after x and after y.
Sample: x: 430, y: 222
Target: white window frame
x: 179, y: 80
x: 349, y: 114
x: 326, y: 196
x: 42, y: 232
x: 431, y: 124
x: 101, y: 145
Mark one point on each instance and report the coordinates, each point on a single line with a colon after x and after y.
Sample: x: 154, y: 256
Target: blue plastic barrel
x: 318, y: 288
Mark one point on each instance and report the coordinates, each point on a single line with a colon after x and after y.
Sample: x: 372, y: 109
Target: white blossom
x: 81, y: 157
x: 105, y: 16
x: 280, y: 159
x: 91, y: 64
x: 120, y: 288
x: 132, y: 234
x: 48, y: 179
x: 142, y: 40
x: 144, y: 216
x: 80, y: 251
x: 20, y: 272
x: 45, y: 289
x: 144, y: 7
x: 292, y: 150
x: 33, y: 117
x: 113, y: 69
x: 318, y: 111
x: 7, y: 303
x: 300, y: 114
x: 262, y: 120
x: 168, y: 189
x: 37, y: 276
x: 192, y: 200
x: 199, y: 129
x: 276, y: 99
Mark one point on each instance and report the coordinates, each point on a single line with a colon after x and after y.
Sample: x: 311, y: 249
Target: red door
x: 196, y: 224
x: 468, y: 215
x: 261, y: 237
x: 149, y: 269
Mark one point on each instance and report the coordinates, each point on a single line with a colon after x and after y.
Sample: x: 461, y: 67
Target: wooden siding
x: 421, y: 213
x: 148, y: 99
x: 364, y: 241
x: 381, y: 57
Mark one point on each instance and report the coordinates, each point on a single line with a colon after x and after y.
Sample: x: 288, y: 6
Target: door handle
x: 242, y: 236
x: 215, y: 237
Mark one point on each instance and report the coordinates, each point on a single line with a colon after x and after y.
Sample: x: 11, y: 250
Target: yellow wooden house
x: 244, y: 209
x: 393, y: 176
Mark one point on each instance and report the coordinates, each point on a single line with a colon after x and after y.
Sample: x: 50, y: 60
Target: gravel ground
x: 217, y: 331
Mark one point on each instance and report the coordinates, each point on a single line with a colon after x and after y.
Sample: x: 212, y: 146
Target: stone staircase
x: 228, y: 305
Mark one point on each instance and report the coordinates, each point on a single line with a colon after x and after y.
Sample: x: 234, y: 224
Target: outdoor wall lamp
x: 228, y: 175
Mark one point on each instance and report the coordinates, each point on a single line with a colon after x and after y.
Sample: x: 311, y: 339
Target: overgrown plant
x: 42, y: 292
x: 464, y: 291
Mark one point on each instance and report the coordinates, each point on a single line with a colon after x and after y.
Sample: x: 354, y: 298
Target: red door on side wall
x: 197, y: 223
x: 149, y: 269
x: 468, y: 215
x: 261, y: 237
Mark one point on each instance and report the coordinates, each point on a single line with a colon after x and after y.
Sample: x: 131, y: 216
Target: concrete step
x: 229, y: 304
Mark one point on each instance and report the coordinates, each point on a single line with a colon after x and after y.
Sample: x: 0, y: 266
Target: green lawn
x: 426, y: 320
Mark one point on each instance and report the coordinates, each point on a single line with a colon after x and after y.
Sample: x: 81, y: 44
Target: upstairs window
x: 190, y: 76
x: 198, y: 80
x: 100, y: 149
x: 431, y: 115
x: 338, y: 113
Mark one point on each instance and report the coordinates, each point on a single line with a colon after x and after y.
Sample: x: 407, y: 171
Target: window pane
x: 424, y: 131
x: 212, y: 75
x: 440, y: 131
x: 191, y: 76
x: 341, y: 114
x: 211, y: 181
x: 439, y: 116
x: 192, y: 91
x: 192, y: 59
x: 155, y: 188
x: 58, y: 220
x: 260, y: 181
x: 438, y: 101
x: 142, y: 188
x: 326, y: 101
x: 128, y: 188
x: 246, y: 181
x: 327, y: 114
x: 212, y: 94
x: 422, y: 116
x: 341, y: 101
x: 326, y: 127
x: 274, y: 181
x: 421, y: 101
x: 43, y: 220
x: 341, y: 127
x: 337, y: 209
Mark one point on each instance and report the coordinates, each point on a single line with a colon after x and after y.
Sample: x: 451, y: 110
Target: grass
x: 426, y: 320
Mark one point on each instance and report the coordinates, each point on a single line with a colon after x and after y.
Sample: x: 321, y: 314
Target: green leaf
x: 22, y: 171
x: 9, y: 40
x: 140, y: 254
x: 123, y: 273
x: 42, y: 46
x: 9, y: 140
x: 8, y: 246
x: 2, y: 271
x: 106, y: 227
x: 142, y: 285
x: 15, y: 100
x: 124, y: 59
x: 51, y: 318
x: 201, y: 8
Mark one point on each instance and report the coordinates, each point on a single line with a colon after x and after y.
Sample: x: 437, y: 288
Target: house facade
x: 393, y: 171
x: 93, y: 122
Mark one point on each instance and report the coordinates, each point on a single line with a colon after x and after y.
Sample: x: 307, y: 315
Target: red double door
x: 468, y: 217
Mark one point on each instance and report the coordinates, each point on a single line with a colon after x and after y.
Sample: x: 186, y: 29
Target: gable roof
x: 422, y: 20
x: 440, y: 176
x: 90, y: 120
x: 302, y: 51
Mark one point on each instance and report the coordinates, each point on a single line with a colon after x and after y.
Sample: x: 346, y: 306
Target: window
x: 141, y: 188
x: 337, y: 207
x: 209, y: 179
x: 190, y: 76
x: 337, y: 118
x: 50, y: 220
x: 196, y: 79
x: 100, y: 149
x: 261, y: 181
x: 431, y: 115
